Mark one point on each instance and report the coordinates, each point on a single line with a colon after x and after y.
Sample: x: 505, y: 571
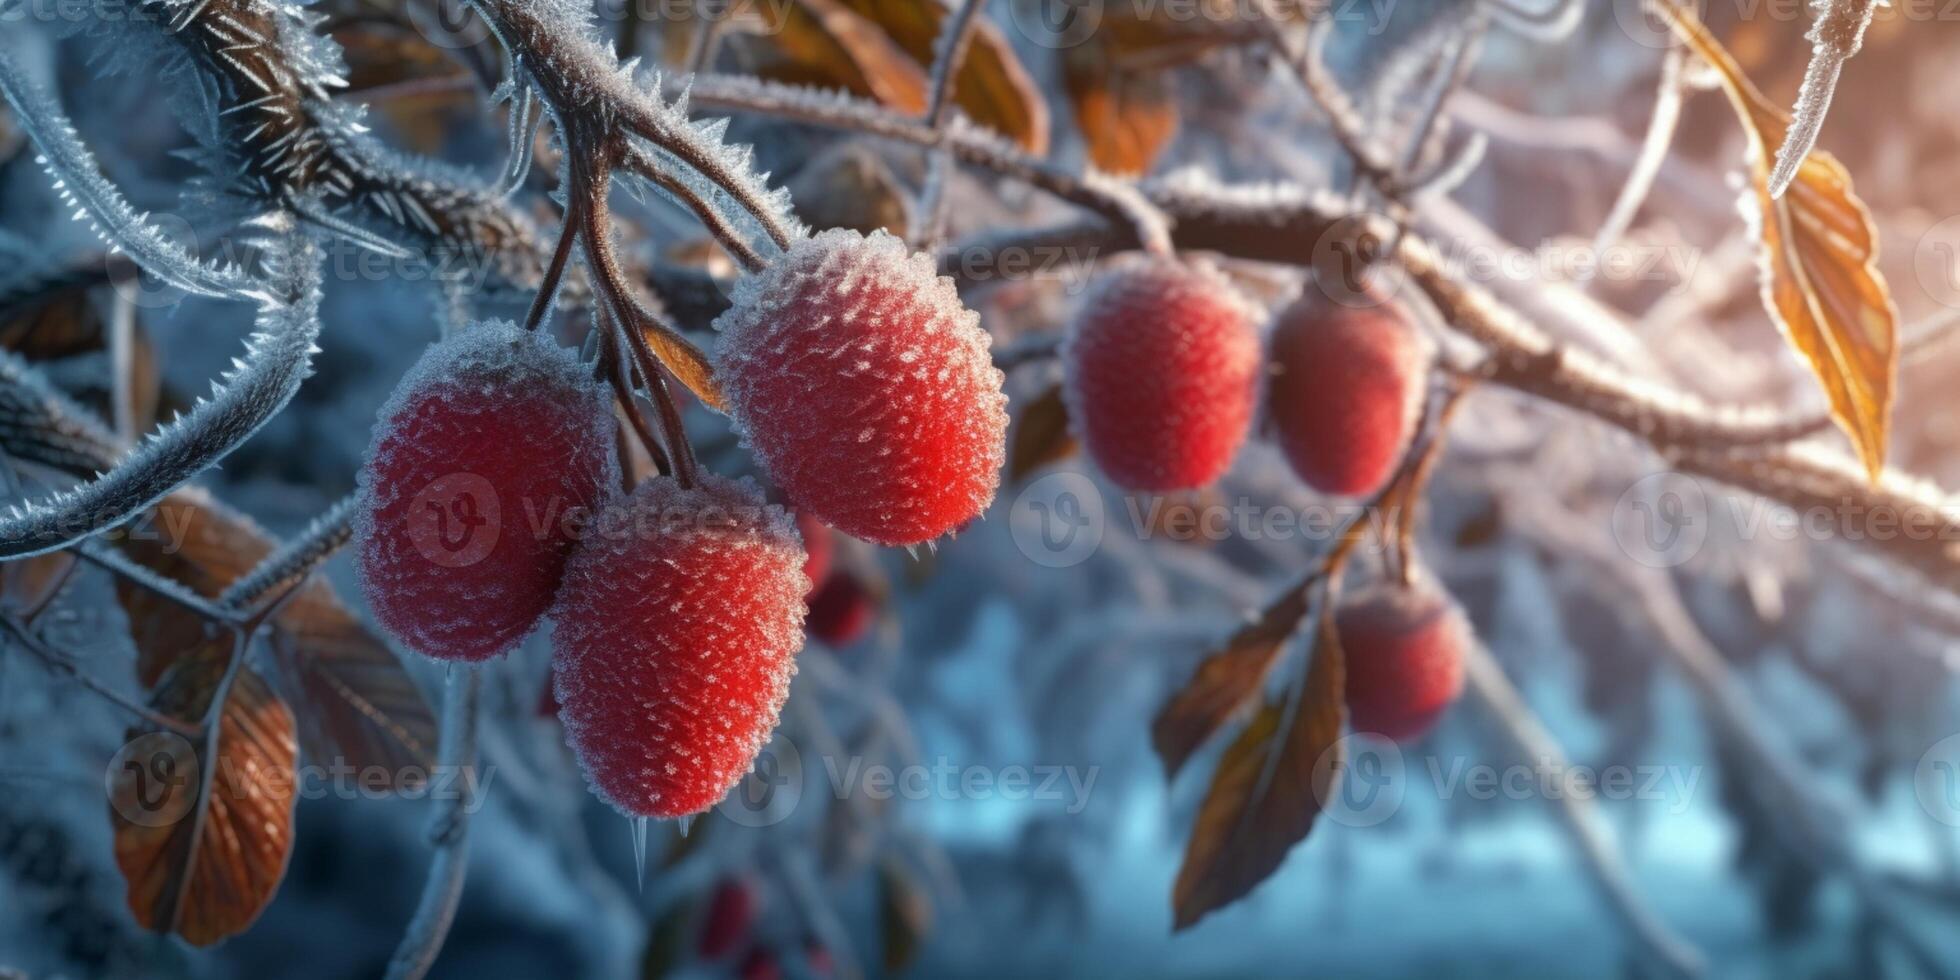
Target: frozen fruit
x: 1162, y: 374
x: 492, y: 448
x: 866, y: 388
x: 1346, y: 393
x: 674, y: 641
x: 729, y: 916
x: 1404, y: 649
x: 842, y: 610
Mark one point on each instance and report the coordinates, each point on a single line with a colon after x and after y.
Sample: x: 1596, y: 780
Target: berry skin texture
x: 1346, y: 393
x: 842, y: 610
x: 676, y: 636
x: 490, y: 448
x: 1404, y: 649
x: 1162, y: 369
x: 730, y: 915
x: 865, y: 388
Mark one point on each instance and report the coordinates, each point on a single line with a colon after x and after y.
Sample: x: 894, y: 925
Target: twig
x: 448, y: 832
x: 1580, y: 816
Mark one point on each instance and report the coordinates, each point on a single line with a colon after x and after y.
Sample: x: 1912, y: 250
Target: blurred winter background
x: 1029, y: 828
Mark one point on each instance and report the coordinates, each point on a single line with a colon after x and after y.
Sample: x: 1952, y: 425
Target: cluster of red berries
x: 488, y: 503
x: 1164, y: 367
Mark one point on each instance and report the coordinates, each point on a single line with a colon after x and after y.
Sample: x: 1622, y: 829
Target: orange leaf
x: 1820, y: 260
x: 203, y: 852
x: 1267, y: 791
x: 827, y: 44
x: 991, y: 86
x: 1041, y: 436
x: 1127, y: 117
x: 687, y: 362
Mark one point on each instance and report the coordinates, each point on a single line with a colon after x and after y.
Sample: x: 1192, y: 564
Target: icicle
x: 639, y: 825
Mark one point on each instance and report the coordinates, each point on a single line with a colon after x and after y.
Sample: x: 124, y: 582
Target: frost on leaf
x: 96, y: 200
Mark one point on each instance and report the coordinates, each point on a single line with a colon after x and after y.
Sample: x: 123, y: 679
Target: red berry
x: 1346, y: 393
x: 842, y: 610
x: 865, y: 388
x: 816, y: 544
x: 761, y: 964
x: 676, y: 637
x: 817, y: 959
x: 1162, y: 368
x: 483, y: 461
x: 1404, y: 649
x: 730, y: 915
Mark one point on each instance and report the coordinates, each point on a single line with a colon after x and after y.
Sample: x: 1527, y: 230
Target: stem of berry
x: 619, y: 373
x: 590, y: 168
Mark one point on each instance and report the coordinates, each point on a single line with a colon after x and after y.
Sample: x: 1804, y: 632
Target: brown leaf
x: 1041, y: 436
x: 1127, y: 116
x: 1267, y: 791
x: 905, y: 910
x: 1225, y: 682
x: 1821, y: 284
x: 359, y: 706
x: 207, y: 873
x: 992, y: 87
x: 827, y: 44
x: 59, y: 317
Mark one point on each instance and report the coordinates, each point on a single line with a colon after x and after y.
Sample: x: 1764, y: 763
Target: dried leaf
x: 207, y: 873
x: 1820, y: 261
x: 1041, y: 436
x: 827, y: 44
x: 1127, y: 116
x: 1225, y: 682
x: 59, y: 317
x: 359, y: 705
x: 905, y: 910
x: 992, y: 87
x: 1267, y: 791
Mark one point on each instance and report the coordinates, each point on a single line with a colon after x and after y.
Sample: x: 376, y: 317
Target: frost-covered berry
x: 1162, y: 374
x: 842, y: 610
x: 675, y: 638
x: 1404, y: 649
x: 1346, y: 393
x: 818, y: 546
x: 866, y: 388
x: 492, y: 449
x: 729, y: 916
